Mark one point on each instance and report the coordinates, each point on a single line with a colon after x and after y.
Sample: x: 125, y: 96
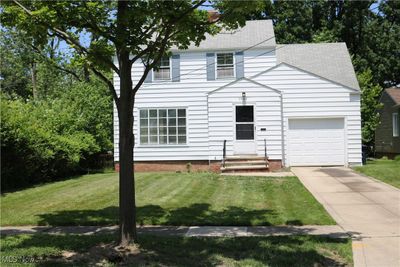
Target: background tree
x: 17, y: 59
x: 370, y: 29
x: 370, y: 93
x: 380, y: 47
x: 132, y: 31
x: 31, y: 70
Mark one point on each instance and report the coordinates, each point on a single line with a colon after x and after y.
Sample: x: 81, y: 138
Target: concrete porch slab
x: 259, y: 174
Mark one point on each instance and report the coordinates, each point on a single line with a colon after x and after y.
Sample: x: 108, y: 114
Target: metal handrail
x: 265, y: 149
x: 224, y: 154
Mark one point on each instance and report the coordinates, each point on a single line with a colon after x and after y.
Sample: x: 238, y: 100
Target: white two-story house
x: 240, y: 96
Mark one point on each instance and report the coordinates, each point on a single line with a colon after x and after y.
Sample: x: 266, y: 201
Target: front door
x: 244, y: 130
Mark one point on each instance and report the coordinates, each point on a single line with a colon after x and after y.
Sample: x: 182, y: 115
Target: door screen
x: 244, y: 123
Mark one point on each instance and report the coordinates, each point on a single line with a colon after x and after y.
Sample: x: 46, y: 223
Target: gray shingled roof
x: 328, y: 60
x: 254, y: 32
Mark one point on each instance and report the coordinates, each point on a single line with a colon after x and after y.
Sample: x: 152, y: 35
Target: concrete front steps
x: 244, y: 163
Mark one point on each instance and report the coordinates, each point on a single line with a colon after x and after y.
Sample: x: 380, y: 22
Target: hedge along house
x: 240, y: 102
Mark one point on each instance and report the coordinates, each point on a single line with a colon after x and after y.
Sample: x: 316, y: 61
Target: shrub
x: 47, y: 140
x: 397, y: 158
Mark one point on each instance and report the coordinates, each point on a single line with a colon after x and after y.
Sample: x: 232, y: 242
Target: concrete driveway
x: 367, y: 208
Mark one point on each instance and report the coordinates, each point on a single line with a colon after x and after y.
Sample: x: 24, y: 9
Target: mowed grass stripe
x: 170, y: 189
x: 197, y: 190
x: 167, y: 198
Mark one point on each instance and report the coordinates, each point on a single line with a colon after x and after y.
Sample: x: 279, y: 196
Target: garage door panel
x: 304, y: 124
x: 316, y: 142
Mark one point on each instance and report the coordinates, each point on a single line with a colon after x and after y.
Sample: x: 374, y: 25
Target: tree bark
x: 127, y: 208
x: 34, y: 80
x: 86, y: 73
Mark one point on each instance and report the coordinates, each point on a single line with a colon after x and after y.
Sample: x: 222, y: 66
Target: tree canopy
x: 370, y: 29
x: 132, y: 31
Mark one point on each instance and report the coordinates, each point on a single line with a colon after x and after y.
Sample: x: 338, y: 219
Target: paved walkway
x: 210, y: 231
x: 365, y: 207
x: 262, y: 174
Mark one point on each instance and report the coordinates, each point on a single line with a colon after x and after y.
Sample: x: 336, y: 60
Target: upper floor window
x: 164, y: 126
x: 396, y: 126
x: 225, y: 65
x: 163, y: 70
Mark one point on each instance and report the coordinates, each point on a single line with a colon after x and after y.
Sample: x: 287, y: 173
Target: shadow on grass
x: 195, y: 214
x: 185, y: 251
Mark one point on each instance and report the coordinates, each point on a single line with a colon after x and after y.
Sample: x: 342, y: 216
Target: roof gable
x: 305, y: 71
x: 244, y: 79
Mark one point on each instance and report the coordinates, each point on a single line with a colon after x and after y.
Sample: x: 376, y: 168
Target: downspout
x: 208, y: 135
x: 282, y: 131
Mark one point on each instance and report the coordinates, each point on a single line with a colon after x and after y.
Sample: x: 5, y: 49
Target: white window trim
x: 395, y: 124
x: 170, y: 73
x: 158, y: 135
x: 234, y: 66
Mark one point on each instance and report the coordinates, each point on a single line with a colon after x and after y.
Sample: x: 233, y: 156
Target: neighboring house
x: 299, y: 104
x: 387, y: 135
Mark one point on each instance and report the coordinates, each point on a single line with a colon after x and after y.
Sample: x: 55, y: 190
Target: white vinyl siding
x: 267, y: 115
x: 309, y: 96
x: 190, y: 92
x: 395, y: 123
x: 209, y: 123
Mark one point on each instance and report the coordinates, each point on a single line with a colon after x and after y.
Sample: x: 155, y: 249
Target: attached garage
x: 316, y: 142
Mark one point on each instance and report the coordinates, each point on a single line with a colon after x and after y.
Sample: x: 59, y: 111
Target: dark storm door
x: 244, y: 131
x: 244, y: 122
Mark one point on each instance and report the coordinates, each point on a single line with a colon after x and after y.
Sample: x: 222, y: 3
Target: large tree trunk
x: 127, y: 209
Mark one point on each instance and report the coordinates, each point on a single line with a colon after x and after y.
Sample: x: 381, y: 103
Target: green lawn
x: 168, y: 199
x: 387, y: 171
x: 46, y: 250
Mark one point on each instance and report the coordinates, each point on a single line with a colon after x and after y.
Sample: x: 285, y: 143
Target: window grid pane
x: 162, y: 74
x: 163, y: 126
x: 225, y: 72
x: 225, y: 59
x: 163, y: 69
x: 225, y: 67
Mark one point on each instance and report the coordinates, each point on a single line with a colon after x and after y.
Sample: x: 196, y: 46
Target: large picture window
x: 163, y: 70
x: 225, y: 65
x: 163, y: 126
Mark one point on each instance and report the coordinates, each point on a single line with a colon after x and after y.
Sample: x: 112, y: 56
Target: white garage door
x: 316, y: 142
